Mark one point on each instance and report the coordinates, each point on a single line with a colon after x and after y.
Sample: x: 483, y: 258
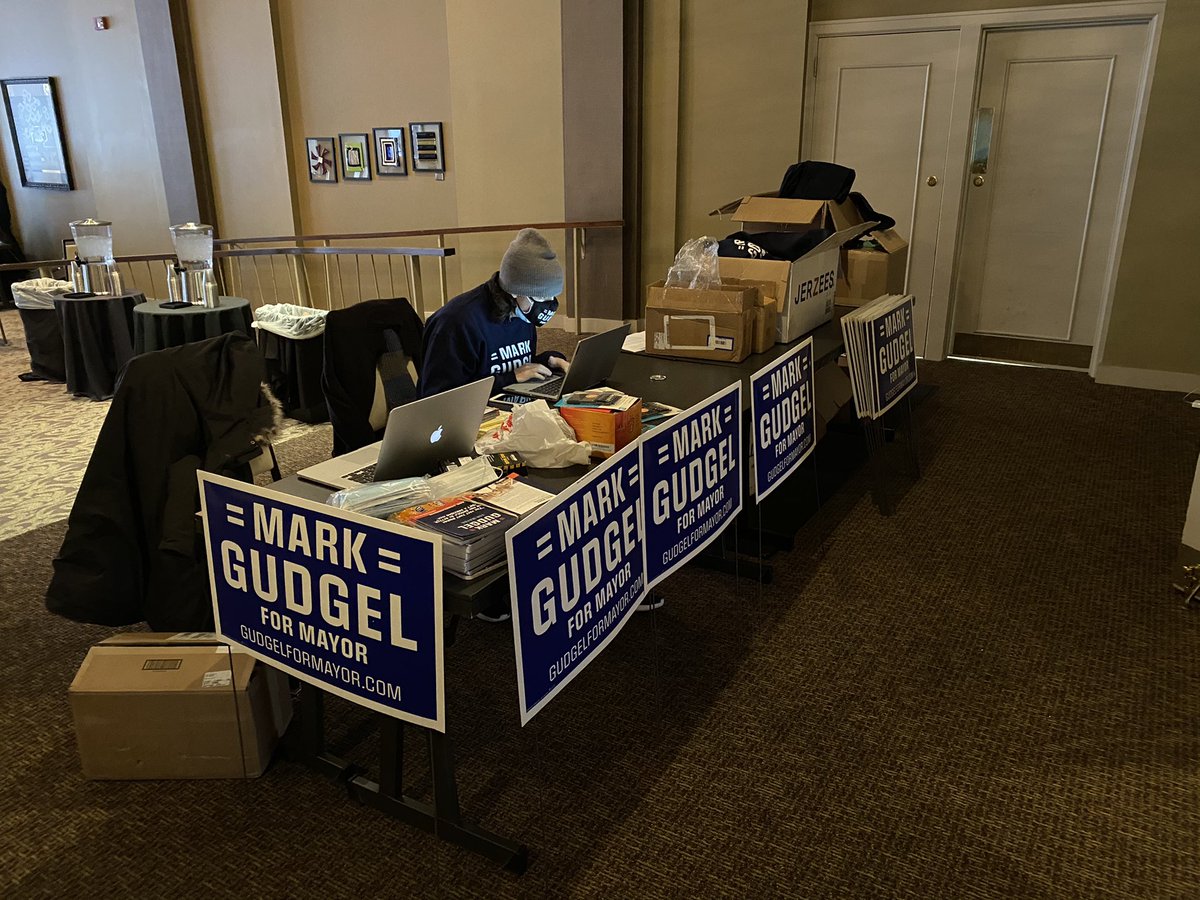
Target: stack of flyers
x: 599, y: 398
x: 472, y: 532
x: 655, y: 413
x: 514, y: 495
x: 881, y: 352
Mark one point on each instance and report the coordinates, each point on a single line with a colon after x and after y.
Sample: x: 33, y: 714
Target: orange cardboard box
x: 607, y: 430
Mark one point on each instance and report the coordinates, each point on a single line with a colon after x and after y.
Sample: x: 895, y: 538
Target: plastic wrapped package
x: 461, y: 479
x: 539, y: 434
x: 382, y: 498
x: 696, y: 265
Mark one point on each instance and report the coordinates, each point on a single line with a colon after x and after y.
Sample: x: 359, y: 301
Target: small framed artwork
x: 322, y: 167
x: 389, y: 152
x: 36, y: 125
x: 428, y: 154
x: 356, y: 157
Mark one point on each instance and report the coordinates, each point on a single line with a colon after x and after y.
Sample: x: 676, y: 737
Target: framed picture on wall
x: 428, y: 154
x: 390, y: 158
x: 36, y: 124
x: 356, y: 157
x: 322, y: 162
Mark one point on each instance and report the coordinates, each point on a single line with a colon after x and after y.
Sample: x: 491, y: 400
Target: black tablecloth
x: 294, y: 373
x: 44, y: 340
x: 97, y: 335
x: 155, y: 328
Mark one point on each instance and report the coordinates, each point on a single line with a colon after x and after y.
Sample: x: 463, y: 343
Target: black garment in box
x: 294, y: 373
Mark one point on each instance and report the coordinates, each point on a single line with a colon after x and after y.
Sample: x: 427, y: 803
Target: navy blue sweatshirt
x: 470, y: 338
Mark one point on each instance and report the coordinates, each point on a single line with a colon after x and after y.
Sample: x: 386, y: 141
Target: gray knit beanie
x: 530, y: 267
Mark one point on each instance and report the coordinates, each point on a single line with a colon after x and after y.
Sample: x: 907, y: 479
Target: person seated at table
x: 492, y: 329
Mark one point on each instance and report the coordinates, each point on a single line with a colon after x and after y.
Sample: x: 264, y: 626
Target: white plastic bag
x: 539, y: 434
x: 696, y: 265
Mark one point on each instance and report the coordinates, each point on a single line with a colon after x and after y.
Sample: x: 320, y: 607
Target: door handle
x: 978, y: 179
x: 931, y: 181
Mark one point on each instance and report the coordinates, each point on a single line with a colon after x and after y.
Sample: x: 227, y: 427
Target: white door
x: 881, y: 104
x: 1043, y: 189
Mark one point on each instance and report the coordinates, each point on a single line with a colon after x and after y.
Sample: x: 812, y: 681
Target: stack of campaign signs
x: 473, y: 525
x: 881, y: 352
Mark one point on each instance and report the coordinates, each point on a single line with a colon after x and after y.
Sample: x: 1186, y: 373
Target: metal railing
x: 333, y: 277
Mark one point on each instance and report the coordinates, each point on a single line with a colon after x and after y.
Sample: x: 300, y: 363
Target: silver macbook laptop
x: 593, y: 363
x: 417, y: 437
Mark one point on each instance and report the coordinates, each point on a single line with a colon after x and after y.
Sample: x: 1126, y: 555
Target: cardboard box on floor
x: 868, y: 274
x: 812, y: 279
x: 714, y: 323
x: 150, y: 705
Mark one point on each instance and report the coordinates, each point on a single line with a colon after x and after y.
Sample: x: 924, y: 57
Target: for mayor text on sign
x: 784, y: 420
x: 691, y: 480
x: 351, y: 604
x: 576, y: 573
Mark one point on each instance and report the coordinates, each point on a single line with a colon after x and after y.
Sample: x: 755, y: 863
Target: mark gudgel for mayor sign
x: 895, y: 355
x: 784, y: 421
x: 350, y: 604
x: 576, y: 573
x: 691, y: 480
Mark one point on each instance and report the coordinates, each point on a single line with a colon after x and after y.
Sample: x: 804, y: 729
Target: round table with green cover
x: 156, y: 328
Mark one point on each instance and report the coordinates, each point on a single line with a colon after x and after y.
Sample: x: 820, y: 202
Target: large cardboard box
x: 607, y: 430
x: 867, y: 274
x: 811, y: 279
x: 715, y: 323
x: 176, y: 706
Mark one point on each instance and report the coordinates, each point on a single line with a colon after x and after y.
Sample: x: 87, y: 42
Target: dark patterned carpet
x: 992, y: 694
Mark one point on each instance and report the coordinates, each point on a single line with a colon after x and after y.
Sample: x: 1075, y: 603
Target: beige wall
x: 236, y: 69
x: 109, y: 129
x: 1155, y: 318
x: 506, y: 143
x: 722, y: 100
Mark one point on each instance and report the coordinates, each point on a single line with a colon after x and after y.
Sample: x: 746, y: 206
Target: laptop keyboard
x: 363, y: 476
x: 551, y: 388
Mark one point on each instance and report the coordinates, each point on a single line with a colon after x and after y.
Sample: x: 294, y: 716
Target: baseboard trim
x: 1152, y: 379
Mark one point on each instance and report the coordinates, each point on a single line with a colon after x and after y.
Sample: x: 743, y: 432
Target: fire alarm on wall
x: 101, y: 23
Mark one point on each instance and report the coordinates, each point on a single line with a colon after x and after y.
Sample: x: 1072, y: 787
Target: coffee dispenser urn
x: 93, y: 270
x: 193, y: 280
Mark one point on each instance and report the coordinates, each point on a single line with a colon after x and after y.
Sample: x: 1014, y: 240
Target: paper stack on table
x: 881, y: 353
x: 472, y: 532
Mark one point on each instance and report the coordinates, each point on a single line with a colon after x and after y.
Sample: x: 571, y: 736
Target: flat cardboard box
x: 714, y: 324
x: 868, y: 274
x: 607, y: 430
x: 811, y: 279
x: 168, y: 706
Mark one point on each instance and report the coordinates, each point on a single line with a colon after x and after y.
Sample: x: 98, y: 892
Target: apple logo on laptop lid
x: 436, y: 436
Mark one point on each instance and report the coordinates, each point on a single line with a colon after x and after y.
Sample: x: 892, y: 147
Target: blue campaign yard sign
x: 895, y: 362
x: 576, y: 574
x: 691, y: 480
x: 783, y: 416
x: 350, y: 604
